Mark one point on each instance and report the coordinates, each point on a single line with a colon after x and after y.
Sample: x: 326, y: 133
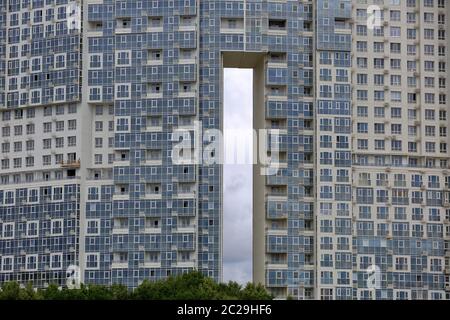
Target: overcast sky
x: 237, y: 180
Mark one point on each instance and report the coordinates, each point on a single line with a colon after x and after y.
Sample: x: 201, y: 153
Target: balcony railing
x: 70, y: 163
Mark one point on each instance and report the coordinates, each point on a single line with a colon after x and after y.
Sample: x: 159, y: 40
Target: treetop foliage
x: 188, y: 286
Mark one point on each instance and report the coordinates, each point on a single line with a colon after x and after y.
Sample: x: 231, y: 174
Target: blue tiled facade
x: 39, y: 217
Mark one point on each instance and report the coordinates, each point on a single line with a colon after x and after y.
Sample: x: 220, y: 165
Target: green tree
x: 10, y: 291
x: 230, y: 291
x: 29, y: 293
x: 195, y: 286
x: 51, y: 293
x: 96, y: 292
x: 189, y: 286
x: 255, y: 292
x: 119, y: 292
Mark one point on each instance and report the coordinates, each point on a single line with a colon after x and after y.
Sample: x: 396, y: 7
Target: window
x: 395, y: 32
x: 6, y: 131
x: 92, y: 261
x: 362, y: 127
x: 123, y: 91
x: 98, y: 126
x: 8, y: 230
x: 59, y: 142
x: 7, y: 263
x: 47, y: 127
x: 30, y: 145
x: 60, y: 93
x: 98, y: 142
x: 93, y: 227
x: 59, y: 125
x: 57, y: 227
x: 361, y: 78
x: 123, y: 58
x: 31, y: 262
x: 401, y: 263
x: 362, y: 111
x: 47, y: 143
x: 98, y: 110
x: 72, y: 124
x: 362, y: 144
x: 95, y: 94
x: 56, y: 261
x: 71, y: 141
x: 36, y: 64
x: 95, y: 61
x: 60, y: 61
x: 30, y: 128
x: 98, y: 159
x: 122, y: 124
x: 32, y: 229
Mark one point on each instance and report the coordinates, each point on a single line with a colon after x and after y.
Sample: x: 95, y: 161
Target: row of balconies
x: 154, y: 264
x: 150, y: 229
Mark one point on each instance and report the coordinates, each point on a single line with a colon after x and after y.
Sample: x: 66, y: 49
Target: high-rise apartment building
x: 93, y: 93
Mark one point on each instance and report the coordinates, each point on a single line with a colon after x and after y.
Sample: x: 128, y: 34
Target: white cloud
x: 238, y: 181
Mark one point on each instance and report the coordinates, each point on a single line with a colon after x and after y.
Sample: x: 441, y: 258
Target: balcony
x: 187, y: 23
x: 276, y: 248
x: 185, y: 229
x: 277, y: 60
x: 120, y: 226
x: 119, y: 264
x: 123, y: 25
x: 154, y: 91
x: 276, y: 196
x: 276, y: 110
x: 277, y: 77
x: 342, y: 26
x: 150, y: 264
x: 277, y: 27
x: 153, y: 161
x: 70, y: 164
x: 275, y: 214
x: 187, y: 93
x: 153, y: 124
x: 154, y: 24
x: 276, y: 180
x: 120, y: 230
x: 187, y: 56
x: 95, y: 28
x: 153, y: 196
x: 154, y: 57
x: 186, y: 246
x: 232, y: 25
x: 277, y: 264
x: 152, y: 230
x: 185, y: 194
x: 277, y: 230
x: 276, y: 93
x: 276, y: 282
x: 121, y: 196
x: 185, y: 264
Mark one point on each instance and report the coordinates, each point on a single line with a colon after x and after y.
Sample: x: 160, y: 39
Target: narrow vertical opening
x: 238, y: 175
